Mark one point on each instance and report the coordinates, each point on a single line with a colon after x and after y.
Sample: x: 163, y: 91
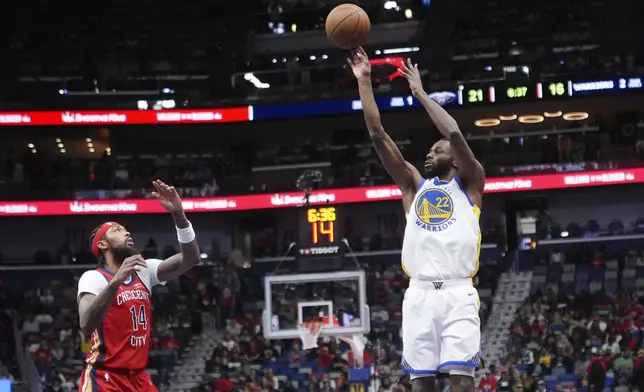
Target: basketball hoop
x: 309, y: 333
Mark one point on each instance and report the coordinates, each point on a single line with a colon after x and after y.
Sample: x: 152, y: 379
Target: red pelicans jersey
x: 123, y: 340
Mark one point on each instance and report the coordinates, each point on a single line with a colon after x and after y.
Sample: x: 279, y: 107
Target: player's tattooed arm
x: 403, y: 173
x: 470, y: 169
x: 178, y: 264
x: 93, y: 308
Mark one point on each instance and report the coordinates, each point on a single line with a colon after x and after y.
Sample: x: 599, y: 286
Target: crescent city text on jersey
x: 132, y: 295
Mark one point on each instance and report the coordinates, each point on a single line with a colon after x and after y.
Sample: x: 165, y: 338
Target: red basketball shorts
x: 103, y: 380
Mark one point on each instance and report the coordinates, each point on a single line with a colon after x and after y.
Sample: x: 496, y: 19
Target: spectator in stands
x: 223, y: 384
x: 206, y: 384
x: 44, y: 357
x: 623, y: 365
x: 4, y: 372
x: 638, y: 371
x: 506, y: 382
x: 296, y: 355
x: 597, y: 369
x: 488, y: 383
x: 325, y: 358
x: 30, y: 325
x: 151, y: 251
x: 270, y: 381
x: 171, y: 344
x: 545, y: 361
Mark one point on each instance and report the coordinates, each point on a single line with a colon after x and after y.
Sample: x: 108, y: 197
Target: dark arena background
x: 248, y: 109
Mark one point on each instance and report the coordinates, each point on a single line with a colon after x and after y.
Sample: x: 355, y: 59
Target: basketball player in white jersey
x: 441, y: 325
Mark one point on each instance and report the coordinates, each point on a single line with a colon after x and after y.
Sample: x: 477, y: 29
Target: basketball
x: 347, y: 25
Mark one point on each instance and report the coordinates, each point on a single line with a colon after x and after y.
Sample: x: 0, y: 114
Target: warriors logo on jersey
x: 442, y: 233
x: 434, y: 209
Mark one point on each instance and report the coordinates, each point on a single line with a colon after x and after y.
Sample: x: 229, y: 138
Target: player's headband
x: 100, y: 234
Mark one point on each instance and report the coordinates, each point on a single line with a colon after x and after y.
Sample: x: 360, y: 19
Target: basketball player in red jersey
x: 114, y: 303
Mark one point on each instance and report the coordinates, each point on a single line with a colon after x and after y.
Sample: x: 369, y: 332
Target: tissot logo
x: 324, y: 250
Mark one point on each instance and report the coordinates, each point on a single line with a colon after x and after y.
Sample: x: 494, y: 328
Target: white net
x: 309, y: 333
x: 357, y: 343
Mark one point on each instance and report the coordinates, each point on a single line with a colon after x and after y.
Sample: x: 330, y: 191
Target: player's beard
x: 437, y: 170
x: 121, y: 253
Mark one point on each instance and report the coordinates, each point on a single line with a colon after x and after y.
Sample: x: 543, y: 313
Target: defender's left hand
x: 167, y: 196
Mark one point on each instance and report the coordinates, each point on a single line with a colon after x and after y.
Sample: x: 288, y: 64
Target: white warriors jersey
x: 442, y: 237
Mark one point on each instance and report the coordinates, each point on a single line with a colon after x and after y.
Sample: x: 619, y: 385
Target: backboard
x: 293, y: 299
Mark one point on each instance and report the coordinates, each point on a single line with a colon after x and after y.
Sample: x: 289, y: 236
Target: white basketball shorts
x: 441, y: 328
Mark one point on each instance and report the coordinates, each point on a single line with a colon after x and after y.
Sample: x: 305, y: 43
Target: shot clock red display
x: 322, y: 221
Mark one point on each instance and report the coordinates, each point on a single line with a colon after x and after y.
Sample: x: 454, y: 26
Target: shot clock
x: 323, y: 224
x: 319, y: 229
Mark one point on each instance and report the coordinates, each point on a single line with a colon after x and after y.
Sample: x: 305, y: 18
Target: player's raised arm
x: 403, y: 173
x: 178, y: 264
x: 470, y: 169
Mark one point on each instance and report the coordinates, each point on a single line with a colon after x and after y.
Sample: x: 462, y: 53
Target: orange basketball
x: 347, y: 25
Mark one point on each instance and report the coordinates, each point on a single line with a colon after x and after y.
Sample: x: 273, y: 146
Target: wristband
x: 187, y: 235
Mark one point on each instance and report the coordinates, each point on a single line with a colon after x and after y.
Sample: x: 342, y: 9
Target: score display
x: 476, y: 94
x: 556, y: 89
x: 504, y: 92
x: 319, y: 232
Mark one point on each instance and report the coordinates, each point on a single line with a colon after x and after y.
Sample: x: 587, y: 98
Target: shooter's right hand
x: 359, y: 63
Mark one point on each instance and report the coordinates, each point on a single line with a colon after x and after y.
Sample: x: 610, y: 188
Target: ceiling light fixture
x: 508, y: 118
x: 558, y: 113
x: 531, y: 119
x: 575, y: 116
x: 91, y: 150
x: 487, y: 122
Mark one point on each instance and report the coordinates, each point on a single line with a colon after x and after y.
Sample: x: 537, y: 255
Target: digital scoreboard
x: 515, y: 92
x: 505, y: 92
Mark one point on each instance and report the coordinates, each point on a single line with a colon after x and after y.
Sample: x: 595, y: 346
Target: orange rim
x: 314, y: 327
